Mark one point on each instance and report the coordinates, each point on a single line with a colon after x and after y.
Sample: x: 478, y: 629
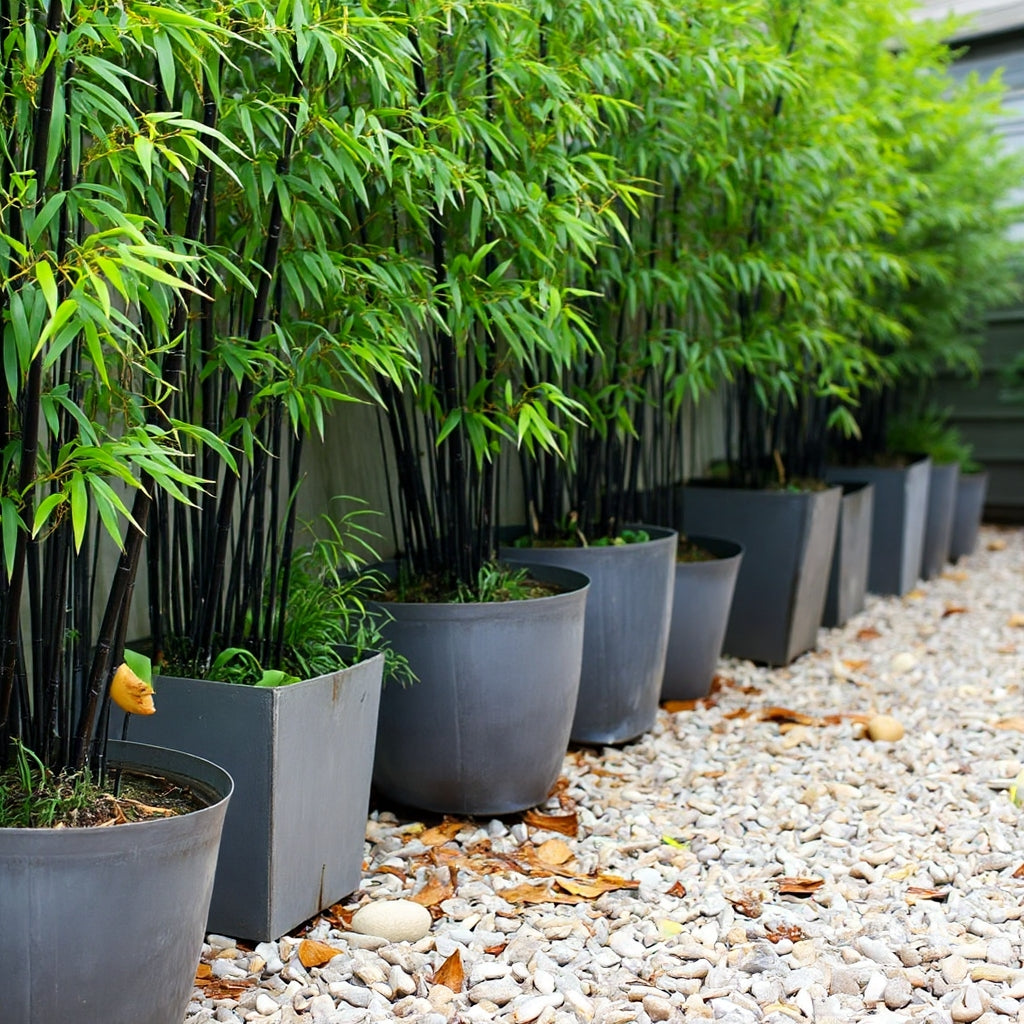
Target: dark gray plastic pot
x: 485, y: 729
x: 938, y: 520
x: 971, y: 490
x: 105, y: 925
x: 848, y: 583
x: 700, y: 613
x: 302, y: 756
x: 897, y: 521
x: 788, y: 539
x: 629, y: 611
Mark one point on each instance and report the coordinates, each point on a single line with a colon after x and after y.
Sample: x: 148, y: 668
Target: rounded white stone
x: 394, y: 920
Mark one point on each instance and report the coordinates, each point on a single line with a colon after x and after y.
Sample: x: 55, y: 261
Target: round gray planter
x: 971, y: 491
x: 485, y: 729
x: 628, y: 615
x: 938, y: 524
x: 700, y: 613
x: 106, y: 924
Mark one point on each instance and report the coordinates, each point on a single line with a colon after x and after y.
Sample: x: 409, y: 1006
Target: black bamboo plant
x: 94, y: 291
x: 500, y: 196
x: 317, y: 319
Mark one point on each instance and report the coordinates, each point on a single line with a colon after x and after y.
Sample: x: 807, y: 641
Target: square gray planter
x: 967, y: 513
x: 302, y: 759
x: 788, y: 538
x: 848, y: 583
x: 938, y: 523
x: 897, y: 522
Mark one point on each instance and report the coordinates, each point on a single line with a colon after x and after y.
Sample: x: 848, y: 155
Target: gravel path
x: 755, y: 858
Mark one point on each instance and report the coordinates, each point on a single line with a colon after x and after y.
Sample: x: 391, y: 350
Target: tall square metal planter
x: 848, y: 583
x: 968, y: 510
x: 302, y: 759
x: 788, y: 539
x: 938, y: 522
x: 897, y: 521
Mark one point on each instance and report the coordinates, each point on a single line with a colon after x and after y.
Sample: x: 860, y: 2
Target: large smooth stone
x: 394, y: 920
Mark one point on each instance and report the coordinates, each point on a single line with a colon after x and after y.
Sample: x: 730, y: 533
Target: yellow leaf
x: 316, y: 954
x: 130, y: 693
x: 554, y: 851
x: 451, y: 973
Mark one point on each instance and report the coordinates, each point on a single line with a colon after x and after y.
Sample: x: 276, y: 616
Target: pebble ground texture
x: 754, y: 858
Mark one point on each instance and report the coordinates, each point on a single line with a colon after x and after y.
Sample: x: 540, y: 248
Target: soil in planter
x: 687, y: 551
x: 497, y: 584
x: 74, y: 801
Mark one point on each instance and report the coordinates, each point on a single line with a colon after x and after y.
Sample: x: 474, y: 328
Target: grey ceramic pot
x: 629, y: 611
x: 486, y: 727
x: 971, y: 490
x: 788, y: 539
x: 897, y: 521
x: 848, y: 582
x: 938, y: 523
x: 302, y: 756
x: 700, y: 613
x: 106, y: 925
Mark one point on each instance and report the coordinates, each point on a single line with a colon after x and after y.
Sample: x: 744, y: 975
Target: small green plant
x: 928, y: 432
x: 32, y: 796
x: 497, y: 582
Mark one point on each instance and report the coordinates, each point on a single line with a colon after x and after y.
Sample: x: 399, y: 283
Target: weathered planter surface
x: 848, y: 582
x: 788, y: 539
x: 700, y: 614
x: 897, y: 521
x: 629, y: 611
x: 105, y: 925
x: 486, y: 727
x: 938, y: 524
x: 302, y: 756
x: 971, y: 491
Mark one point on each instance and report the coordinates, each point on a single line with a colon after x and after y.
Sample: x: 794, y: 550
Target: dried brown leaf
x: 554, y: 851
x: 436, y: 890
x: 451, y: 973
x: 777, y: 714
x: 673, y: 707
x: 915, y: 893
x: 954, y: 609
x: 496, y: 950
x: 997, y: 545
x: 677, y: 889
x: 527, y: 893
x: 914, y: 595
x: 855, y: 664
x: 748, y: 903
x: 591, y: 888
x: 776, y: 932
x: 738, y: 713
x: 443, y: 833
x: 1016, y: 620
x: 1019, y: 873
x: 868, y: 633
x: 956, y: 574
x: 1015, y: 722
x: 566, y: 824
x: 791, y: 885
x: 390, y: 869
x: 315, y: 954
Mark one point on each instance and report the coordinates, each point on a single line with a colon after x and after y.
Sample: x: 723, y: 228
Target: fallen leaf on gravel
x: 899, y: 874
x: 443, y: 833
x: 1016, y: 620
x: 527, y: 893
x: 676, y: 889
x: 1019, y: 873
x: 1014, y: 722
x: 390, y: 869
x: 436, y: 890
x: 451, y: 973
x: 554, y: 851
x: 855, y: 664
x: 915, y: 893
x: 790, y: 885
x: 592, y: 888
x: 868, y: 633
x: 748, y: 903
x: 954, y: 609
x: 668, y: 928
x: 914, y: 595
x: 567, y: 824
x: 673, y: 707
x: 738, y: 713
x: 787, y: 1008
x: 1007, y: 649
x: 316, y: 954
x: 996, y: 545
x: 778, y: 932
x: 956, y: 574
x: 777, y: 714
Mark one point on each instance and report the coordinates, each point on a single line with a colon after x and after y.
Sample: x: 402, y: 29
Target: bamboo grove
x: 532, y: 235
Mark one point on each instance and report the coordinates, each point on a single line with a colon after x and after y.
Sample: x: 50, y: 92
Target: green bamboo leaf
x: 10, y: 521
x: 79, y: 499
x: 48, y: 284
